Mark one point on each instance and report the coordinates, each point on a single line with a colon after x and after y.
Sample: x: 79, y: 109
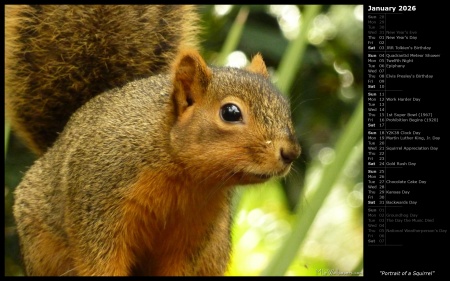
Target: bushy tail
x: 58, y: 57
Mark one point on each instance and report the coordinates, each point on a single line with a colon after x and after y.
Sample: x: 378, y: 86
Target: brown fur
x: 193, y: 231
x: 60, y: 56
x: 140, y: 180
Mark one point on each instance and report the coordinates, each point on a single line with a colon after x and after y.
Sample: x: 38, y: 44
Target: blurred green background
x: 311, y: 222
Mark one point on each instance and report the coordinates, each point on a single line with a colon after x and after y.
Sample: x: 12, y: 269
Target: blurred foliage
x: 325, y: 91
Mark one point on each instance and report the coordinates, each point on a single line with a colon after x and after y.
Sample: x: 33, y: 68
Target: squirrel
x: 140, y: 142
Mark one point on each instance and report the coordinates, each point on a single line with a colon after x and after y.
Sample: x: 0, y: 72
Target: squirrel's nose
x: 289, y: 153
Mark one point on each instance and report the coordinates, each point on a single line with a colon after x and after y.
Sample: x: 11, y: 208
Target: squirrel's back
x: 59, y: 64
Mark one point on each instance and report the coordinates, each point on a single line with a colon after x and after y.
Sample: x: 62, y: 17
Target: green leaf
x: 293, y: 56
x: 234, y: 36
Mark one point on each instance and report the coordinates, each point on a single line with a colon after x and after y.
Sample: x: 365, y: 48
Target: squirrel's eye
x: 230, y: 113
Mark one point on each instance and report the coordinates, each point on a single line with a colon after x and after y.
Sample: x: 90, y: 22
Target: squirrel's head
x: 231, y: 125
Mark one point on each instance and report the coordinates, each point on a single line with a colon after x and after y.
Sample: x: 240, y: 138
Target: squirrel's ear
x: 191, y: 77
x: 258, y: 66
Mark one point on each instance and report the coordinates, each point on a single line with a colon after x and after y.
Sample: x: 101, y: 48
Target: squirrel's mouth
x: 250, y: 178
x: 266, y: 176
x: 262, y: 176
x: 246, y: 177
